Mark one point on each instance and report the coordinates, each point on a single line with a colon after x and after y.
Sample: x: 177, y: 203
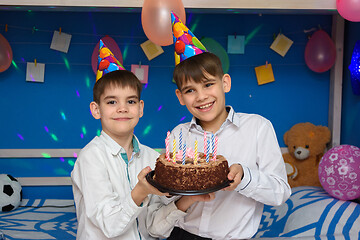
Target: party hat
x: 107, y: 62
x: 186, y: 44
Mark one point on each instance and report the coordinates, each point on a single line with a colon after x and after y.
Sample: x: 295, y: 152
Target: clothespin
x: 6, y: 27
x: 274, y: 37
x: 35, y: 62
x: 140, y: 64
x: 59, y: 30
x: 308, y: 31
x: 266, y: 65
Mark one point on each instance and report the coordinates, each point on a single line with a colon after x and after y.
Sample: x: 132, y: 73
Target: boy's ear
x: 95, y: 110
x: 226, y: 82
x: 141, y: 108
x: 179, y: 96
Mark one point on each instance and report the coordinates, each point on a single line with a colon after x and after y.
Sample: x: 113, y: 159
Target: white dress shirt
x: 250, y: 140
x: 102, y: 182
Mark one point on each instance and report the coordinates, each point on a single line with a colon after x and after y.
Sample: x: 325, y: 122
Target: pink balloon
x: 339, y: 172
x: 349, y: 9
x: 156, y: 19
x: 320, y: 52
x: 114, y: 48
x: 6, y: 54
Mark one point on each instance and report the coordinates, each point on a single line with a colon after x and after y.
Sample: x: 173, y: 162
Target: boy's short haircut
x: 118, y: 78
x: 195, y: 68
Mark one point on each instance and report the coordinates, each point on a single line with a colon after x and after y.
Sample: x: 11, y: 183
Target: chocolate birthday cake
x: 185, y: 175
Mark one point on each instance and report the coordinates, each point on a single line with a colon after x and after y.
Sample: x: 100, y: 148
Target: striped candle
x: 174, y: 151
x: 215, y: 148
x: 208, y: 151
x: 184, y: 154
x: 180, y: 140
x: 167, y: 140
x: 212, y: 143
x: 196, y: 152
x: 205, y: 143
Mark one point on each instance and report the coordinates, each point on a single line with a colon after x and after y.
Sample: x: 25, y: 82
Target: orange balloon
x: 177, y: 30
x: 104, y: 52
x: 6, y: 54
x: 156, y: 19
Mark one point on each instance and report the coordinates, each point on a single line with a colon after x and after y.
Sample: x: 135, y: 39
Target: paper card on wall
x: 60, y: 41
x: 141, y: 72
x: 236, y: 44
x: 151, y: 50
x: 35, y: 73
x: 264, y: 74
x: 281, y: 44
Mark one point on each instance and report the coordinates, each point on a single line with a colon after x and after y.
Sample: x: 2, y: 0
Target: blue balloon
x: 189, y: 51
x: 113, y: 67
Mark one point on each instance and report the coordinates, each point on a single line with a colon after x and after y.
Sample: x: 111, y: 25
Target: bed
x: 310, y: 213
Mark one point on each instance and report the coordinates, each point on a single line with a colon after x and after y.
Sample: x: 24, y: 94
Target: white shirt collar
x: 115, y: 148
x: 232, y: 118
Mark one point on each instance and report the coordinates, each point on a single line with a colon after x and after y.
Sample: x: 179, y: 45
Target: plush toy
x: 306, y: 144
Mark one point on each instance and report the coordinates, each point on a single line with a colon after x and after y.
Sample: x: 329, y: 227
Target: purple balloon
x: 320, y: 52
x: 339, y: 172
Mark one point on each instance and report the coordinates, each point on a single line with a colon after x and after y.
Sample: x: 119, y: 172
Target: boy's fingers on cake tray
x: 234, y: 176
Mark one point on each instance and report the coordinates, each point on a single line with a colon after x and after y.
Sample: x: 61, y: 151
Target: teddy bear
x: 306, y: 144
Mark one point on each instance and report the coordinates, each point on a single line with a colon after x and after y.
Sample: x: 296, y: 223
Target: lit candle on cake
x: 196, y: 152
x: 167, y: 139
x: 174, y: 151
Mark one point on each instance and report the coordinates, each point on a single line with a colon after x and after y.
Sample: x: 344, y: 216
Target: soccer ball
x: 10, y: 193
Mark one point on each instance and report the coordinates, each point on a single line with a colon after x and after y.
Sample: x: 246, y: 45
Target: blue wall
x: 33, y: 113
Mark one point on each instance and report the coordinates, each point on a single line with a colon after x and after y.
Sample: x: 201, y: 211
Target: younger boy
x: 109, y: 185
x: 247, y: 141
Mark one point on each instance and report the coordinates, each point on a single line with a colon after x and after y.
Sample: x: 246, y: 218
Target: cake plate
x: 150, y: 179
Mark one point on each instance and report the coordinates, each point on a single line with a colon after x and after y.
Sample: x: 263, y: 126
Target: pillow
x: 310, y: 212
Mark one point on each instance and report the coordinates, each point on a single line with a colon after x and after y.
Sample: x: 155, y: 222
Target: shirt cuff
x: 245, y: 182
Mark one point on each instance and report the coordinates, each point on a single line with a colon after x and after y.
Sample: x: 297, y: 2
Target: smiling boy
x: 110, y: 190
x: 247, y: 141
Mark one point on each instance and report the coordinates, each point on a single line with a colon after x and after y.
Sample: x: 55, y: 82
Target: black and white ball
x: 10, y: 193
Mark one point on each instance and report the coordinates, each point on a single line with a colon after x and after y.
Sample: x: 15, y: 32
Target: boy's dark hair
x: 118, y: 78
x: 195, y: 67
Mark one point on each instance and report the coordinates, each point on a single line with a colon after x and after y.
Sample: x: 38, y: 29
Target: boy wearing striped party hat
x: 247, y: 141
x: 110, y: 190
